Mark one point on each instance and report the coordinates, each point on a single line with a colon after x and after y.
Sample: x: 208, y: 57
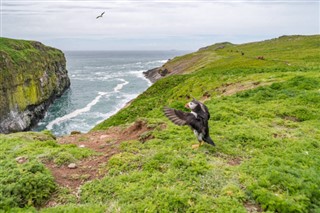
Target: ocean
x: 102, y: 82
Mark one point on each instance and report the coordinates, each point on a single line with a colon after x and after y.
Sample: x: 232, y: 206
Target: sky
x: 155, y: 24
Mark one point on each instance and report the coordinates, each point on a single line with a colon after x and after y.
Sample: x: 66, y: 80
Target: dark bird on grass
x: 100, y: 16
x: 197, y: 119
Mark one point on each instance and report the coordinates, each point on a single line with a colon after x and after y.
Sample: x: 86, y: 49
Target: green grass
x: 21, y: 50
x: 30, y: 183
x: 267, y: 137
x: 232, y: 67
x: 272, y: 129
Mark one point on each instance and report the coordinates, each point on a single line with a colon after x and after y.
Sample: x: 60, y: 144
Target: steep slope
x: 265, y: 115
x: 32, y: 76
x: 256, y: 63
x: 264, y: 100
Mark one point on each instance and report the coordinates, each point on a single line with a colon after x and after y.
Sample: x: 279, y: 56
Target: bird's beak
x: 187, y: 106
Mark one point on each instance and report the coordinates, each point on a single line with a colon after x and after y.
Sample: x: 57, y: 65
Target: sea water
x: 102, y: 82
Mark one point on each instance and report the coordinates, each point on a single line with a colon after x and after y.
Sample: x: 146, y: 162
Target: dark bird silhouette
x: 100, y: 16
x: 197, y: 119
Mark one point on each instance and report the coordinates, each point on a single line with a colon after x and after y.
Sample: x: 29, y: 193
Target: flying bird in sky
x: 100, y: 16
x: 197, y: 119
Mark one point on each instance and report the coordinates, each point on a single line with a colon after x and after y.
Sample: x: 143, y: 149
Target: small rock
x: 75, y: 133
x: 103, y: 136
x: 82, y: 146
x: 72, y: 166
x: 21, y: 159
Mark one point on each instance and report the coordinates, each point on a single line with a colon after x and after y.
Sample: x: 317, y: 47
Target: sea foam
x: 88, y: 107
x: 77, y: 112
x: 121, y: 85
x: 139, y: 74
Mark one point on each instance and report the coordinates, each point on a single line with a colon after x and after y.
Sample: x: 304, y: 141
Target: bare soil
x: 234, y: 161
x: 233, y: 88
x: 252, y: 207
x: 106, y: 143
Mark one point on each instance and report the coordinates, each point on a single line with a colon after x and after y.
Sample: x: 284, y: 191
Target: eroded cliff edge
x: 188, y: 63
x: 32, y: 75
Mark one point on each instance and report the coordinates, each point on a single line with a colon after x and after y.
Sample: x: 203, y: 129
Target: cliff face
x: 32, y: 75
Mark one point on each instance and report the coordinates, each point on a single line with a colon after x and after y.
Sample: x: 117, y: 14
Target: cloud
x: 177, y: 22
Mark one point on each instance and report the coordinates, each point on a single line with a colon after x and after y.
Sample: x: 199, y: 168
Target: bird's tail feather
x: 209, y: 141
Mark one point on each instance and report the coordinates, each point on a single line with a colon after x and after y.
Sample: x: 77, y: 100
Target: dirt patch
x: 291, y: 118
x: 276, y: 135
x: 252, y: 207
x: 179, y: 68
x: 233, y: 88
x: 230, y: 160
x: 234, y: 162
x: 106, y: 143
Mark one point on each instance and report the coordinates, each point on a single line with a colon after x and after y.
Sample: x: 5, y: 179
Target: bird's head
x: 192, y: 104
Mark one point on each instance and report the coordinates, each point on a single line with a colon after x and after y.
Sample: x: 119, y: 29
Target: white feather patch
x: 195, y: 114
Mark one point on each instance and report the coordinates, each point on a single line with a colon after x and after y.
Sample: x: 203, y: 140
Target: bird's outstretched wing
x: 100, y: 16
x: 178, y: 117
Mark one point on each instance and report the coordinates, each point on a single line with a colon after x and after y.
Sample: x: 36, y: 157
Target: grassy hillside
x: 284, y: 58
x: 271, y: 131
x: 265, y: 119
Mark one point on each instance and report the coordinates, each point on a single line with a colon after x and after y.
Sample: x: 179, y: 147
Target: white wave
x: 139, y: 74
x: 102, y: 67
x: 121, y: 85
x: 101, y: 76
x: 119, y: 106
x: 76, y: 112
x: 41, y: 123
x: 87, y: 107
x: 157, y: 62
x: 99, y: 73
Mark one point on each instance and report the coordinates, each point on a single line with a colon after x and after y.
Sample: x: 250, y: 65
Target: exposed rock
x: 163, y: 72
x: 153, y: 75
x: 32, y: 76
x: 72, y: 166
x: 186, y: 64
x: 21, y: 159
x: 75, y: 133
x: 220, y: 47
x: 216, y: 46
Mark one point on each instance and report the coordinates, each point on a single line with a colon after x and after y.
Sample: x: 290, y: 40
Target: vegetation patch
x: 24, y: 179
x: 264, y: 112
x: 265, y: 121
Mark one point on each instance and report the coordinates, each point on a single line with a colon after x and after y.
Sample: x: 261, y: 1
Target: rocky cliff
x: 32, y: 75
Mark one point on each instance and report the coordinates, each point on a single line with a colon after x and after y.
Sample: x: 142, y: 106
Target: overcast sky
x: 155, y: 24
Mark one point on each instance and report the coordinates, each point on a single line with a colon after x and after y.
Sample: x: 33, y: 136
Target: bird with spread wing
x: 197, y: 119
x: 100, y: 16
